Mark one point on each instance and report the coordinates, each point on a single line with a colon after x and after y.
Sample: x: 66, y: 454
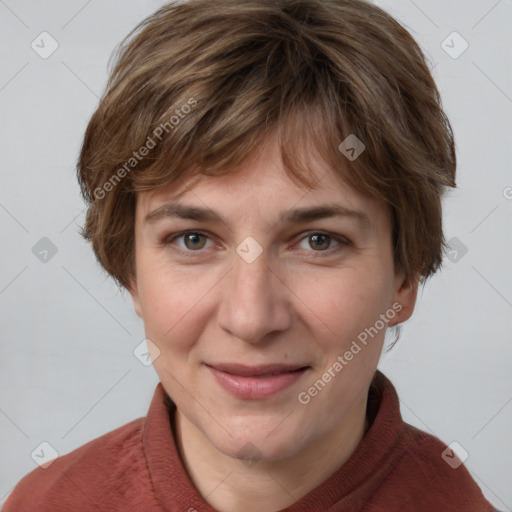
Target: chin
x: 259, y: 441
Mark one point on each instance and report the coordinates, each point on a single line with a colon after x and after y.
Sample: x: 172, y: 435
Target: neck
x: 231, y: 485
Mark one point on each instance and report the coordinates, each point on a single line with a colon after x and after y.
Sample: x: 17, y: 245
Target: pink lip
x: 254, y: 382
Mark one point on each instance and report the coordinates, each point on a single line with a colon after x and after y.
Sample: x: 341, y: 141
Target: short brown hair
x: 220, y: 76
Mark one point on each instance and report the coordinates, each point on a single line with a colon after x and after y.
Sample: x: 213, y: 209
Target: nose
x: 255, y: 302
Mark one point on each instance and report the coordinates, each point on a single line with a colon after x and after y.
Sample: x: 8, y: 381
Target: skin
x: 300, y: 301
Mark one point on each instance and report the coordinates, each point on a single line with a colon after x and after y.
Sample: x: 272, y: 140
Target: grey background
x: 67, y: 369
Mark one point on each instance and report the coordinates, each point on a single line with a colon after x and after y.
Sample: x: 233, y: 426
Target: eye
x: 321, y: 242
x: 193, y: 241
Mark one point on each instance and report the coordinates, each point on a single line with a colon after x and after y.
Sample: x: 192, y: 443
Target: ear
x: 406, y: 291
x: 134, y: 292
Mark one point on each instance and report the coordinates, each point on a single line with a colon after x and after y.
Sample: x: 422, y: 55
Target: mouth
x: 256, y: 382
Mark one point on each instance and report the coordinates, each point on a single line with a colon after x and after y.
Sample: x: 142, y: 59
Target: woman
x: 265, y: 179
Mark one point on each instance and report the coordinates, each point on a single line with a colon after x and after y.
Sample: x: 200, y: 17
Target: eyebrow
x: 293, y: 216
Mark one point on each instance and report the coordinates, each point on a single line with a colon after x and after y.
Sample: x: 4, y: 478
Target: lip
x: 256, y: 382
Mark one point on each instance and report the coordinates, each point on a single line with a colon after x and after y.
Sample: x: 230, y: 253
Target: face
x: 267, y: 309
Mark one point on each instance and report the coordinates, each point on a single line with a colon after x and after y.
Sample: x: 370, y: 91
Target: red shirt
x: 137, y: 468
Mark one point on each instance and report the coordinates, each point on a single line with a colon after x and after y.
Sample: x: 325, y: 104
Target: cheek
x: 343, y: 305
x: 173, y: 302
x: 343, y: 322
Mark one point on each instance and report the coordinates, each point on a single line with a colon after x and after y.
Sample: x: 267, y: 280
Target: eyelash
x: 342, y: 241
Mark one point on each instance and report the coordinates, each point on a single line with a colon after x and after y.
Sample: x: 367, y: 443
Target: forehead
x: 260, y: 183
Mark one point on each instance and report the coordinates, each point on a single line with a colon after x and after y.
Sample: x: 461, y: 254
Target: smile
x: 256, y: 382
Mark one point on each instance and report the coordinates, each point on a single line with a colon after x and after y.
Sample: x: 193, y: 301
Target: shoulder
x: 430, y: 473
x: 84, y: 476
